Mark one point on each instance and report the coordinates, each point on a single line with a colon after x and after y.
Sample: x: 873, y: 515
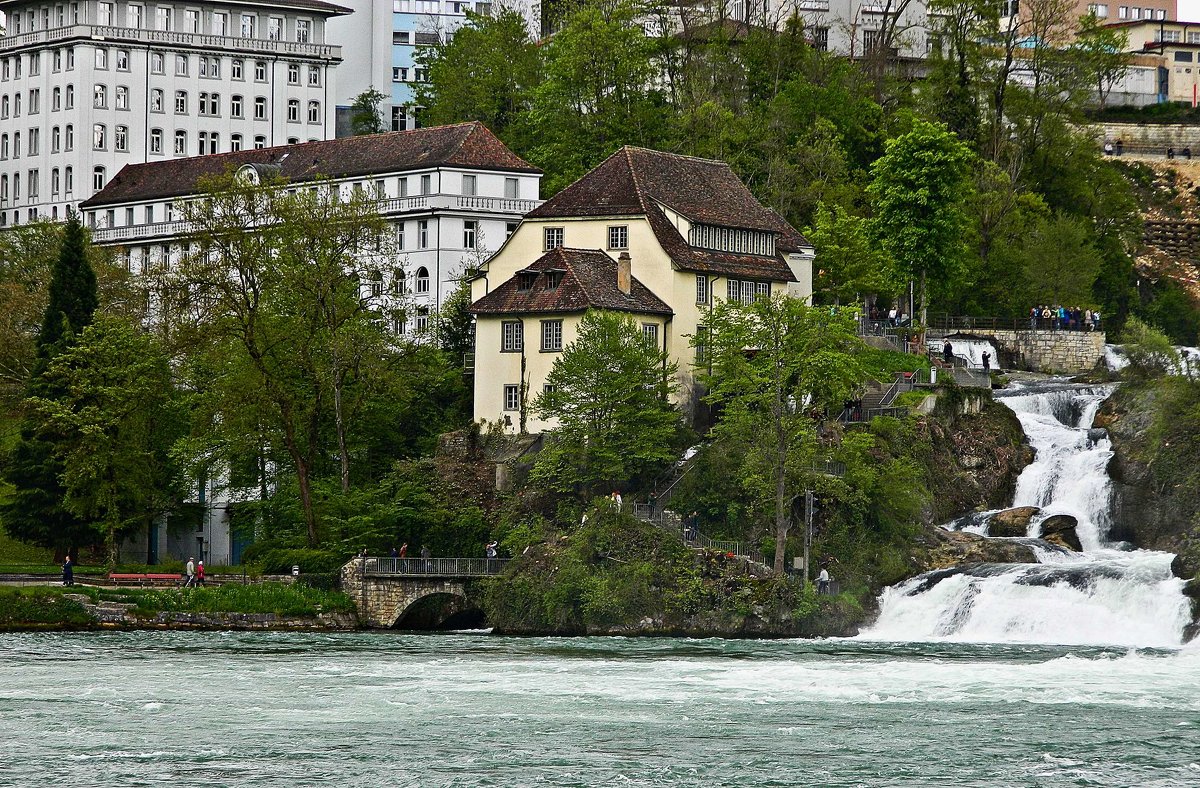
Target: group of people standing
x: 1064, y: 318
x: 894, y: 316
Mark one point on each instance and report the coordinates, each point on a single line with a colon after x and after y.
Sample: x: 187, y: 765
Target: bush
x: 322, y: 581
x: 39, y: 607
x: 1150, y: 353
x: 280, y: 560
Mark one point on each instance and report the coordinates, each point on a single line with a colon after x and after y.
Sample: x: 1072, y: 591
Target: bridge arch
x: 439, y: 610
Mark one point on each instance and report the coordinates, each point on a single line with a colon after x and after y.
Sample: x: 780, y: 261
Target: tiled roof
x: 469, y: 145
x: 636, y: 181
x: 627, y: 182
x: 589, y: 279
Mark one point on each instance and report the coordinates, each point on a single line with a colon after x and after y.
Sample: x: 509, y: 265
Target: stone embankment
x: 122, y: 615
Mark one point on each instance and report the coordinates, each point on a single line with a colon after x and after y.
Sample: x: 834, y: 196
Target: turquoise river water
x: 268, y: 709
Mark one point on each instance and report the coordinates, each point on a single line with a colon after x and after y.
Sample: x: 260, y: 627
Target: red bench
x: 143, y: 579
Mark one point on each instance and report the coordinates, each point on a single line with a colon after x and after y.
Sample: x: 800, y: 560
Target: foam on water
x: 970, y: 349
x: 1100, y: 596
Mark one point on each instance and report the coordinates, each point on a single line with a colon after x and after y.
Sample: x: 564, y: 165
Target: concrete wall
x: 1055, y: 352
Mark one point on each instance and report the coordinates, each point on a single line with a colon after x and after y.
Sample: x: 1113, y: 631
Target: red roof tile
x: 589, y: 279
x: 468, y: 145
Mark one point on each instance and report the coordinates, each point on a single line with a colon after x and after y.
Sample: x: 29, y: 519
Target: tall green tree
x: 919, y: 191
x: 609, y: 395
x: 34, y: 511
x: 486, y: 71
x: 849, y: 264
x: 116, y: 418
x: 777, y: 366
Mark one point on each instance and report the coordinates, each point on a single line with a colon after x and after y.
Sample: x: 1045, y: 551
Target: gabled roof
x: 469, y: 145
x: 589, y: 279
x: 630, y: 180
x: 639, y: 182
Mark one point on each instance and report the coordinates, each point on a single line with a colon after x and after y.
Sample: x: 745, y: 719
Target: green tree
x: 919, y: 189
x: 365, y: 115
x: 34, y: 511
x: 117, y: 419
x: 486, y: 71
x: 275, y: 282
x: 777, y: 365
x: 849, y: 264
x: 456, y: 324
x: 1061, y: 262
x: 609, y: 395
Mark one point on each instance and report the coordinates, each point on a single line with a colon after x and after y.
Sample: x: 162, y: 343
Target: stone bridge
x: 416, y: 593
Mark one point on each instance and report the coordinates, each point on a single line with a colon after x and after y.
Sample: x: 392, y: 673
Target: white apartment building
x: 453, y: 194
x: 91, y: 86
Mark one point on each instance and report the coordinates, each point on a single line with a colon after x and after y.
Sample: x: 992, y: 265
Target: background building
x: 88, y: 87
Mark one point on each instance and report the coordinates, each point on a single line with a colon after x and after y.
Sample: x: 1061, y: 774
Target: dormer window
x: 553, y: 279
x: 729, y: 239
x: 525, y: 280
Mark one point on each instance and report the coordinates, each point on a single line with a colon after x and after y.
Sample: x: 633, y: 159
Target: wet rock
x: 1012, y: 522
x: 1059, y: 529
x: 942, y: 549
x: 1097, y: 434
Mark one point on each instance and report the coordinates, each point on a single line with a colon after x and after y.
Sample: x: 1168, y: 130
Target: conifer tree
x: 34, y: 510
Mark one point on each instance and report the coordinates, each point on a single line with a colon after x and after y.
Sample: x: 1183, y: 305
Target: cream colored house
x: 657, y: 235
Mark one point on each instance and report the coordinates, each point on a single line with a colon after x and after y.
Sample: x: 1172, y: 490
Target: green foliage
x: 849, y: 265
x: 1061, y: 262
x: 805, y: 361
x: 72, y: 294
x: 365, y: 116
x: 1173, y: 310
x: 1149, y: 351
x: 608, y: 395
x: 919, y: 189
x: 36, y: 608
x: 282, y: 599
x: 279, y: 560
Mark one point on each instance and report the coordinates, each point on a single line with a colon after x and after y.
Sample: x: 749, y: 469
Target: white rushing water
x: 970, y: 349
x: 1103, y: 595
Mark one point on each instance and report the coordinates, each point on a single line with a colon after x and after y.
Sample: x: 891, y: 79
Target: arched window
x: 98, y: 178
x: 422, y: 280
x: 375, y: 281
x: 99, y: 136
x: 180, y: 142
x: 100, y: 97
x: 70, y: 103
x: 398, y: 285
x: 314, y: 112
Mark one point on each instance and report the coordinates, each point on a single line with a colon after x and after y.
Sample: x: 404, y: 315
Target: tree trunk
x: 340, y: 420
x: 781, y: 520
x: 306, y: 501
x: 924, y: 303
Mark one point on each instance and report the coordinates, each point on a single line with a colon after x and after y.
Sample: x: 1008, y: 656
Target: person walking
x: 191, y: 573
x: 425, y: 556
x: 403, y: 551
x: 395, y: 553
x: 68, y: 571
x: 200, y: 572
x: 1033, y: 318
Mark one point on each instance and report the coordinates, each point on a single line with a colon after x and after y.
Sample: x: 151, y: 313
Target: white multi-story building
x: 88, y: 87
x: 453, y: 194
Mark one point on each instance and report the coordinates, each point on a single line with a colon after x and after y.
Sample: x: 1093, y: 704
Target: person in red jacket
x: 200, y: 573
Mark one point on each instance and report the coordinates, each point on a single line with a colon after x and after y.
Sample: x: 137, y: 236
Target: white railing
x: 155, y: 230
x: 499, y: 204
x: 169, y: 38
x: 402, y: 204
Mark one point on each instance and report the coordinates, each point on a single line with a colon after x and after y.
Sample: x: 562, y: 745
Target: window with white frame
x: 100, y: 97
x: 181, y: 102
x: 512, y: 397
x: 235, y: 142
x: 701, y: 289
x: 260, y: 71
x: 469, y: 233
x: 552, y: 238
x: 122, y: 60
x: 426, y: 184
x: 133, y: 16
x: 274, y: 28
x: 511, y: 188
x: 512, y: 336
x: 552, y: 335
x: 618, y: 237
x: 293, y: 73
x: 156, y: 63
x: 121, y: 139
x: 122, y: 97
x: 314, y: 112
x: 422, y: 236
x: 249, y: 25
x: 156, y: 140
x: 468, y: 185
x: 180, y: 142
x: 99, y: 136
x: 99, y: 177
x: 237, y: 69
x: 314, y: 76
x: 181, y: 65
x: 260, y: 108
x: 303, y: 31
x: 422, y: 280
x: 293, y: 110
x: 260, y: 142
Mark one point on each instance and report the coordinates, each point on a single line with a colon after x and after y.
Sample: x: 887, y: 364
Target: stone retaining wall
x: 1053, y: 352
x: 119, y: 614
x: 383, y: 600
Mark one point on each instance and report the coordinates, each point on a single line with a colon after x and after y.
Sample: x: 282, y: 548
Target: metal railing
x: 432, y: 567
x: 674, y: 524
x: 969, y: 322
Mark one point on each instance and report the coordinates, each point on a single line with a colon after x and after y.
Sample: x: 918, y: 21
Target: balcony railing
x: 137, y: 231
x: 168, y: 38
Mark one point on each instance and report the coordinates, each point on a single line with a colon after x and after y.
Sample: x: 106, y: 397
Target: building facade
x: 1165, y: 65
x: 88, y: 87
x: 658, y: 236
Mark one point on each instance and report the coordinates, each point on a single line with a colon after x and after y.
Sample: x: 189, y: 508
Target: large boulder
x: 1059, y: 529
x: 1012, y: 522
x: 938, y: 548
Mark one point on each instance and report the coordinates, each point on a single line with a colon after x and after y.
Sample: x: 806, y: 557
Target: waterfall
x: 1102, y: 596
x: 970, y: 349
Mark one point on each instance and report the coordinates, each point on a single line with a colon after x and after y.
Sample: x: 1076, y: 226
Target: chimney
x: 624, y: 273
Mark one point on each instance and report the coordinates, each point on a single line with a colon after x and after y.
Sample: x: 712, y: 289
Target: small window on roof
x: 525, y: 280
x: 553, y: 279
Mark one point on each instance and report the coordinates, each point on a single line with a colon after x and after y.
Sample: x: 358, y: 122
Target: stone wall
x: 1054, y: 352
x: 382, y: 601
x: 1155, y: 137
